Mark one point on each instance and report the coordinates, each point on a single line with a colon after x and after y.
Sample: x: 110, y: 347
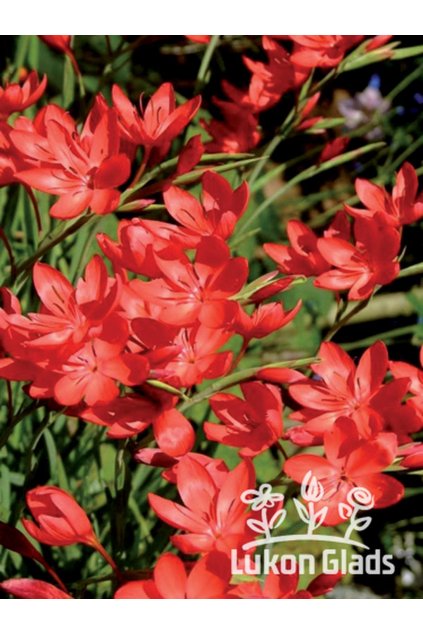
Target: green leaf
x: 194, y: 176
x: 358, y: 61
x: 326, y: 124
x: 314, y: 170
x: 52, y: 454
x: 404, y: 53
x: 68, y: 92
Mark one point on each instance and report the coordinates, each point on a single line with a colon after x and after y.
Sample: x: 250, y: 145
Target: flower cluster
x: 131, y: 342
x: 360, y: 257
x: 270, y: 81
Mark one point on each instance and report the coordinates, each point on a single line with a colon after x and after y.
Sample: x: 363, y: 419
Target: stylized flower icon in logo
x: 361, y: 498
x: 311, y: 489
x: 358, y: 499
x: 262, y: 499
x: 313, y: 513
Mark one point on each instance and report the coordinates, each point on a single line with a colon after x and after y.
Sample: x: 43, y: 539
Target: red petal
x: 371, y: 195
x: 386, y: 490
x: 297, y: 466
x: 372, y: 457
x: 112, y: 172
x: 371, y: 369
x: 324, y: 583
x: 195, y: 486
x: 210, y: 577
x: 185, y: 208
x: 170, y: 577
x: 33, y: 589
x: 71, y: 205
x: 173, y: 433
x: 229, y: 506
x: 104, y: 201
x: 176, y: 515
x: 137, y: 590
x: 54, y: 290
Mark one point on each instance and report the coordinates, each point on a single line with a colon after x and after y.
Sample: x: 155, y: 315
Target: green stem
x: 310, y: 172
x: 16, y: 420
x: 167, y: 388
x: 80, y: 585
x: 415, y: 269
x: 121, y: 496
x: 267, y: 153
x: 141, y: 168
x: 49, y: 243
x: 239, y: 377
x: 205, y: 62
x: 406, y: 153
x: 103, y: 552
x: 339, y: 324
x: 415, y: 74
x: 281, y: 449
x: 384, y: 336
x: 31, y: 461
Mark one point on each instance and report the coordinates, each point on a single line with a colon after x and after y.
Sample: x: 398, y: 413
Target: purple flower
x: 360, y: 109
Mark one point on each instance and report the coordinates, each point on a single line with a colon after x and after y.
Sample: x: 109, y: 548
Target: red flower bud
x: 60, y: 519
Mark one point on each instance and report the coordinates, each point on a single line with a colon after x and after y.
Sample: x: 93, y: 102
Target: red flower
x: 303, y: 257
x: 133, y: 414
x: 90, y: 374
x: 183, y: 357
x: 62, y: 43
x: 83, y: 169
x: 359, y: 268
x: 159, y: 123
x: 401, y: 418
x: 187, y: 292
x: 236, y: 133
x: 10, y: 159
x: 219, y: 210
x: 402, y: 370
x: 350, y: 462
x: 342, y: 389
x: 333, y: 148
x: 413, y: 457
x: 264, y: 320
x: 124, y: 417
x: 306, y: 122
x: 33, y: 589
x: 173, y: 433
x: 156, y: 458
x: 189, y: 156
x: 67, y: 316
x: 208, y: 579
x: 213, y: 517
x: 76, y: 348
x: 377, y: 42
x: 269, y: 81
x: 16, y: 98
x: 199, y: 39
x: 284, y: 586
x: 139, y: 240
x: 325, y: 51
x: 253, y: 424
x: 401, y: 208
x: 267, y: 288
x: 60, y: 521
